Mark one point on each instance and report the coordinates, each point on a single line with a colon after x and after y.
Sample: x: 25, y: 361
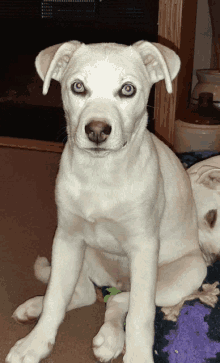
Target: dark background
x: 24, y: 33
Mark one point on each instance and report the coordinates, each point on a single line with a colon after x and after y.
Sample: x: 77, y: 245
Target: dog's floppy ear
x: 160, y: 61
x: 209, y: 176
x: 51, y: 62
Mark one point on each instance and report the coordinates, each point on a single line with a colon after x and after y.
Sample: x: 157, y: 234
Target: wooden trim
x: 214, y: 8
x: 176, y: 30
x: 55, y: 147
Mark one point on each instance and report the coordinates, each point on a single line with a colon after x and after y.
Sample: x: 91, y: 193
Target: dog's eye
x: 128, y: 90
x: 78, y: 87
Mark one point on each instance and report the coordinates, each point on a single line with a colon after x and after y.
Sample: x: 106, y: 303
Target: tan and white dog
x: 205, y: 181
x: 126, y: 215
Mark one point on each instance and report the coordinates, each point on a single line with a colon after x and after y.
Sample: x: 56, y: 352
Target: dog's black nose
x: 98, y: 131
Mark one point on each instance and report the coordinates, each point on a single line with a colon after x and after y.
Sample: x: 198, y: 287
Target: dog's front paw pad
x: 30, y: 349
x: 12, y: 357
x: 109, y: 342
x: 28, y: 312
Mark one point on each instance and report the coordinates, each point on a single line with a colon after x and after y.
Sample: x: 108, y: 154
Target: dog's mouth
x: 100, y: 150
x: 97, y: 149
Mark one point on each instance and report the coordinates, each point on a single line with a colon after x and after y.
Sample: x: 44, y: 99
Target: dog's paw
x: 28, y: 312
x: 109, y: 342
x: 30, y: 349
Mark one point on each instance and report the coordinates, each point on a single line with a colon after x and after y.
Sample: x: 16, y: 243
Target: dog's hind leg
x: 180, y: 278
x: 84, y: 295
x: 109, y: 341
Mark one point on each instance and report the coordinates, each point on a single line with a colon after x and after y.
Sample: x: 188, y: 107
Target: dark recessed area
x: 24, y: 111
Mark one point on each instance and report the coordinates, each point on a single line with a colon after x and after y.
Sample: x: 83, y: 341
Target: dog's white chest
x: 104, y: 234
x: 97, y: 215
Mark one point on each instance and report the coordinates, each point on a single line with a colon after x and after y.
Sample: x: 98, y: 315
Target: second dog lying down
x: 205, y: 181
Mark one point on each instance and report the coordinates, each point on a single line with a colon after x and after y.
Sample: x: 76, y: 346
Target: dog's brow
x: 76, y: 76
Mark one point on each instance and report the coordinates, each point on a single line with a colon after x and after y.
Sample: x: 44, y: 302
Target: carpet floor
x: 27, y: 226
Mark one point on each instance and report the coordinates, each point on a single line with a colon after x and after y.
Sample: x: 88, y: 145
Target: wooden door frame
x: 176, y: 30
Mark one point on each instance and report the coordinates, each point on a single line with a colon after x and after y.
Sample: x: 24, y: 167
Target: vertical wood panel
x: 176, y: 30
x: 214, y: 10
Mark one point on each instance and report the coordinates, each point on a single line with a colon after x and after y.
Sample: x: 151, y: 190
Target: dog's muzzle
x: 98, y: 131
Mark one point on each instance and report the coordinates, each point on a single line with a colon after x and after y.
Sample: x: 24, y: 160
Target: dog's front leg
x: 67, y: 257
x: 140, y: 318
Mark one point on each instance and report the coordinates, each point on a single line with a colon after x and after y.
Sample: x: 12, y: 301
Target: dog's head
x: 105, y: 88
x: 205, y: 181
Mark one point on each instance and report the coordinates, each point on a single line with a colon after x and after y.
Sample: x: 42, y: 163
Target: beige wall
x: 203, y: 40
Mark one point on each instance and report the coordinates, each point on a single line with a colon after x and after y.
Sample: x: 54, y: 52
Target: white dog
x: 126, y: 215
x: 205, y: 181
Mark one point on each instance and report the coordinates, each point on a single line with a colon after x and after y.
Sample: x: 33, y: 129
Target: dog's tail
x: 42, y: 269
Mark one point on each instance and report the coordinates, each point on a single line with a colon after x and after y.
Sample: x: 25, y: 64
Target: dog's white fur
x: 126, y: 215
